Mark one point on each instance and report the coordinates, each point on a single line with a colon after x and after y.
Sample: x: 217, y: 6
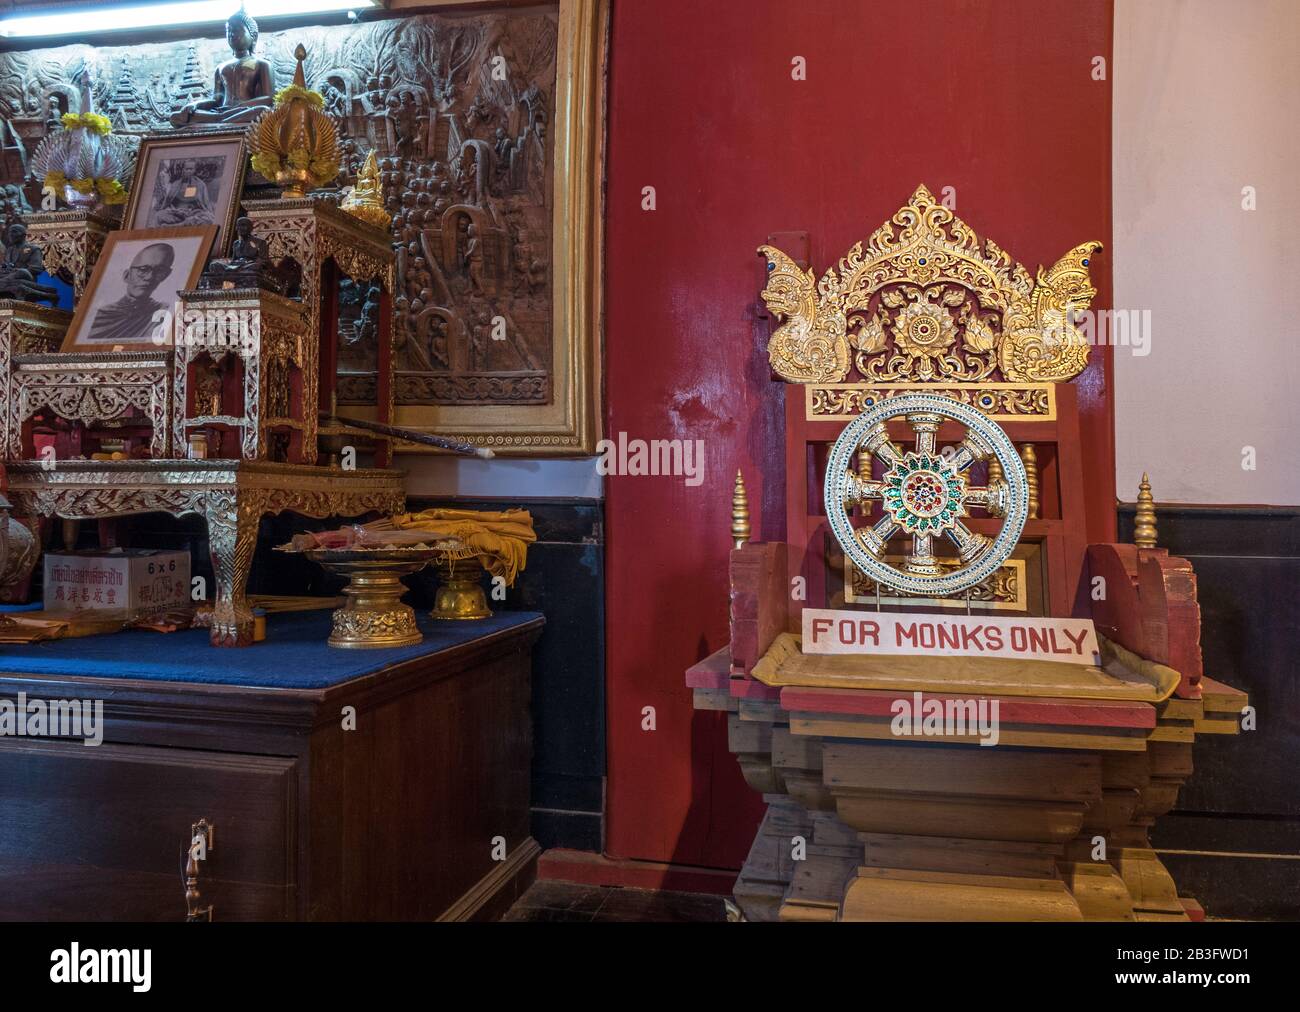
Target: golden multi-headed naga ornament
x: 926, y: 300
x: 366, y: 201
x: 295, y: 144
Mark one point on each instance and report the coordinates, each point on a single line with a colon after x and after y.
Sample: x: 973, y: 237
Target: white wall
x: 1206, y: 102
x: 502, y: 477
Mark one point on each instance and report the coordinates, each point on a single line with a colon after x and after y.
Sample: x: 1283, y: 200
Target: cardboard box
x: 128, y: 581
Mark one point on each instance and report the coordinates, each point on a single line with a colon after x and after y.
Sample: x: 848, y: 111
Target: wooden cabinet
x: 389, y: 796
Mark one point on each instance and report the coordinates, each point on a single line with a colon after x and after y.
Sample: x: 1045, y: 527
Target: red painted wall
x: 993, y: 97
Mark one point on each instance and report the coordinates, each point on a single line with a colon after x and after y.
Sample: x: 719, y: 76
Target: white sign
x: 1068, y: 640
x: 135, y: 582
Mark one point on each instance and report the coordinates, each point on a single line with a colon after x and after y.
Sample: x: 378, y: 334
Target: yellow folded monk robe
x: 500, y: 538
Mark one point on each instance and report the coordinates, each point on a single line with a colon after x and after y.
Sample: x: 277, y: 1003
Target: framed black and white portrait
x: 188, y: 180
x: 130, y: 302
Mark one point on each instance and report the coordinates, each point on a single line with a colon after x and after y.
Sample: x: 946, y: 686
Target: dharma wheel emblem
x: 925, y: 493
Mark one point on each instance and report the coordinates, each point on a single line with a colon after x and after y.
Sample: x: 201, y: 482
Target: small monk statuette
x: 23, y: 262
x: 241, y: 87
x: 248, y: 266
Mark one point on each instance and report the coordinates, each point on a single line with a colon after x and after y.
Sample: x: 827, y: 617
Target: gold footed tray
x: 374, y: 615
x: 460, y: 594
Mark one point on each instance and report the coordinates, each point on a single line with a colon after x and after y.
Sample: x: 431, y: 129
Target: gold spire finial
x: 299, y: 76
x: 739, y: 512
x: 1144, y: 520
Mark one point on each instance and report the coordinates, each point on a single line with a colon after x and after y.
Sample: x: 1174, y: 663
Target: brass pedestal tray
x: 374, y: 616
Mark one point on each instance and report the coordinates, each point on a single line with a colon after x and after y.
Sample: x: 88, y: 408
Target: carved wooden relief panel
x: 469, y: 115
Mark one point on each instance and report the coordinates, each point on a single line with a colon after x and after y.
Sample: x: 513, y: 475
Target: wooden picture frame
x: 135, y: 323
x: 162, y: 157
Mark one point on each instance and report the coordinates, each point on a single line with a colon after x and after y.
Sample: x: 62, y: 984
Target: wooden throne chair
x: 926, y: 336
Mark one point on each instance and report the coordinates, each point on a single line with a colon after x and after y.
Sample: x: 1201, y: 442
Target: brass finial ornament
x: 366, y: 201
x: 295, y: 144
x: 1144, y: 521
x: 1030, y: 456
x: 739, y: 512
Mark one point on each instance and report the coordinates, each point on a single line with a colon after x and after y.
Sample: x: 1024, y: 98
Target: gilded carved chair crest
x: 926, y: 300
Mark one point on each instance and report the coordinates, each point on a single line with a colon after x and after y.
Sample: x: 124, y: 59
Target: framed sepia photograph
x: 131, y: 296
x: 188, y: 180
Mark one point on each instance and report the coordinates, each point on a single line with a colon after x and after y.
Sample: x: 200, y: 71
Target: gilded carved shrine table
x: 231, y: 495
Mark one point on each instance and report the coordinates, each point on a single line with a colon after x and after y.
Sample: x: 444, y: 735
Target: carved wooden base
x: 907, y: 829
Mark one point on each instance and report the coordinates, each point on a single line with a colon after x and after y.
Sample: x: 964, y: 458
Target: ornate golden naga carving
x: 925, y: 299
x: 810, y: 347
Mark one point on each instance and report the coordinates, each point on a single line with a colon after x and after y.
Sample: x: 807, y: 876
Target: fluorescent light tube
x: 128, y: 16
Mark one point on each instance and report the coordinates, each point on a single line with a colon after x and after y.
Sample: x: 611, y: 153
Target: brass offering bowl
x: 460, y: 595
x: 374, y: 615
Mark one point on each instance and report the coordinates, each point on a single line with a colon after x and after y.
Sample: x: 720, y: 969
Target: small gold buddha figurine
x: 366, y: 201
x: 241, y: 87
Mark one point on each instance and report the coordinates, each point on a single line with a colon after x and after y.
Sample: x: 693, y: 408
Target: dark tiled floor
x: 548, y: 901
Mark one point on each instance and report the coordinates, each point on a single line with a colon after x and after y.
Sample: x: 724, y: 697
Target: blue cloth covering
x: 293, y: 656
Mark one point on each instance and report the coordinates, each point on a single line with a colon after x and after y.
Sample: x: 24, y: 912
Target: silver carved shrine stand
x: 327, y: 243
x: 257, y: 383
x: 231, y: 495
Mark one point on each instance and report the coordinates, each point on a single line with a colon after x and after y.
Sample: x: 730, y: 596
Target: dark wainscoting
x: 565, y: 580
x: 1237, y: 822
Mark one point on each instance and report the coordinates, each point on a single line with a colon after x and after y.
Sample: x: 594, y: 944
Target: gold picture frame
x: 136, y: 322
x: 569, y: 425
x: 158, y: 150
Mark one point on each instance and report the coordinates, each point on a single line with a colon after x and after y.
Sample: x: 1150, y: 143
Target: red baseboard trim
x: 587, y: 868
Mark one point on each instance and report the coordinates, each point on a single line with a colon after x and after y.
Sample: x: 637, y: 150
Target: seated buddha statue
x: 22, y: 263
x: 242, y: 88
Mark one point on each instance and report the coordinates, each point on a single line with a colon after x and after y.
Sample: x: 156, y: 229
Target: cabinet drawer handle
x: 201, y: 841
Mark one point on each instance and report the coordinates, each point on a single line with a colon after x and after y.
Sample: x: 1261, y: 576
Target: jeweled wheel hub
x: 924, y: 493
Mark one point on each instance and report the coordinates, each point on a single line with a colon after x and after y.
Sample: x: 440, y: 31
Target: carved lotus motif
x: 924, y: 331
